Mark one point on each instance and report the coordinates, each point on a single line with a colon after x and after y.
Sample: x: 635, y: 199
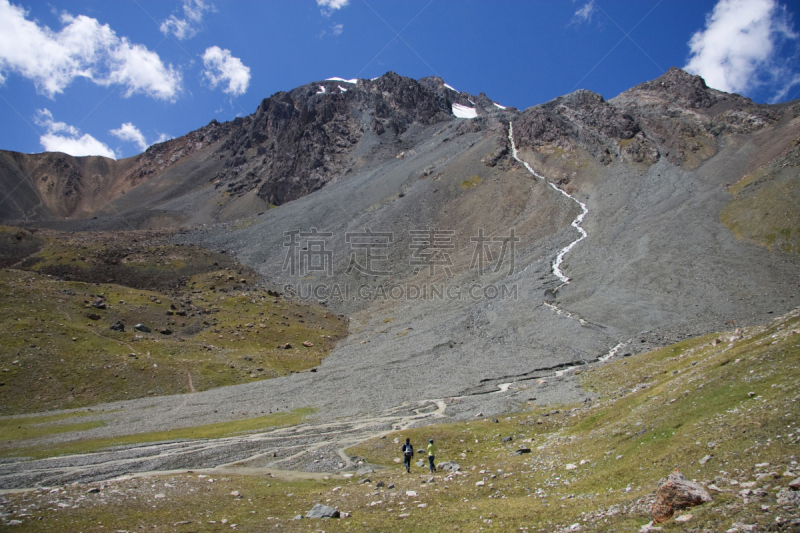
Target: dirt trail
x: 189, y: 381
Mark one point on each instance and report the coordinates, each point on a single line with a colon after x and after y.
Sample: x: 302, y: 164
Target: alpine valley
x: 610, y: 284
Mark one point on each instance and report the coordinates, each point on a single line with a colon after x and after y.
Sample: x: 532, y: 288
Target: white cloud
x: 61, y: 137
x: 329, y: 6
x: 129, y: 132
x: 584, y: 14
x: 738, y: 49
x: 334, y: 31
x: 162, y: 137
x: 222, y: 68
x: 141, y: 71
x: 83, y: 48
x: 187, y: 27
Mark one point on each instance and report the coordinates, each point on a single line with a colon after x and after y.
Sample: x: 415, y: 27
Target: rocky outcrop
x: 298, y: 141
x: 585, y: 119
x: 676, y: 494
x: 684, y: 117
x: 676, y: 115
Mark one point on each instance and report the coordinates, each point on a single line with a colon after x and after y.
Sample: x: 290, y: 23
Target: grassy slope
x: 765, y: 208
x: 654, y: 412
x: 58, y: 352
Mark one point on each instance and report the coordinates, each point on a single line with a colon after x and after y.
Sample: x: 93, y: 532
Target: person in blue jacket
x: 408, y: 453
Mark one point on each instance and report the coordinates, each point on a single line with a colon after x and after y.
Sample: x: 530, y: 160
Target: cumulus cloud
x: 221, y: 68
x: 61, y: 137
x: 188, y: 26
x: 584, y: 14
x: 129, y: 132
x: 329, y: 6
x: 738, y: 50
x: 83, y: 48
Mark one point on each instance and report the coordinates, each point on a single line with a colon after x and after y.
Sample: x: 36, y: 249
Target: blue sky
x: 112, y: 77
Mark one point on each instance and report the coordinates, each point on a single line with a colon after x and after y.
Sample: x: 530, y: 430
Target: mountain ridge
x: 297, y: 141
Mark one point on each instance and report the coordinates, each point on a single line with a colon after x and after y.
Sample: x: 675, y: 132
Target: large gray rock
x: 322, y: 511
x: 449, y: 465
x: 789, y: 497
x: 676, y: 494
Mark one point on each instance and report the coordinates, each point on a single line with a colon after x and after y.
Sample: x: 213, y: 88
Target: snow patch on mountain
x: 462, y: 111
x: 354, y: 80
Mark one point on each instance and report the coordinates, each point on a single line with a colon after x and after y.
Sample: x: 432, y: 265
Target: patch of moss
x: 472, y: 182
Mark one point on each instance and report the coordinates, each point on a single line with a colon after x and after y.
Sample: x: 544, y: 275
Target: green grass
x: 648, y: 420
x: 210, y: 431
x: 57, y: 351
x: 765, y: 208
x: 31, y: 427
x: 652, y: 412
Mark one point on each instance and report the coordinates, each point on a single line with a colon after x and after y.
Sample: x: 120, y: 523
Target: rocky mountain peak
x: 675, y: 88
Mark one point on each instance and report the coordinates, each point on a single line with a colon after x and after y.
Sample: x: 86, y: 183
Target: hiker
x: 431, y: 455
x: 408, y: 453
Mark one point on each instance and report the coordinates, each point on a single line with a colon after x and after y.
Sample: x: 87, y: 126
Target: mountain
x: 295, y: 143
x: 383, y: 254
x: 468, y: 245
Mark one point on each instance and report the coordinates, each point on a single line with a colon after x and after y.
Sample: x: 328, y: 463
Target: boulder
x: 449, y: 465
x: 789, y: 497
x: 322, y: 511
x: 142, y: 328
x: 119, y: 326
x: 522, y: 450
x: 676, y: 494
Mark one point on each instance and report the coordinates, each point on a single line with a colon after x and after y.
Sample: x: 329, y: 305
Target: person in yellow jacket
x: 432, y: 455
